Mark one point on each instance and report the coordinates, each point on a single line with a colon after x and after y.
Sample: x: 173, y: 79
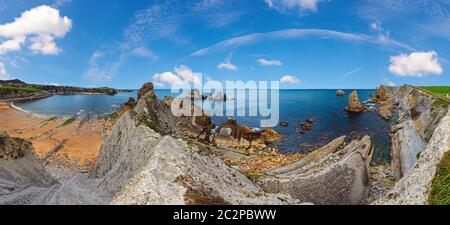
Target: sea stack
x: 340, y: 93
x: 354, y: 104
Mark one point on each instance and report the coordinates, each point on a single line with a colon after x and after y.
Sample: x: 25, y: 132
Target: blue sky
x: 303, y: 43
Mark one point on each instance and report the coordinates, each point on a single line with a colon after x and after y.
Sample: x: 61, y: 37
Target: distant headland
x: 17, y: 90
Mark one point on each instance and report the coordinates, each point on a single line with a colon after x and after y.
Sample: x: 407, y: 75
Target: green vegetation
x: 440, y: 187
x: 254, y: 177
x: 440, y: 90
x: 8, y: 90
x: 51, y: 119
x: 68, y: 121
x: 440, y: 103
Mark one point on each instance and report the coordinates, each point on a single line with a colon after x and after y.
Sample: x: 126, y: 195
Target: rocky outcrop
x: 147, y: 88
x: 233, y: 134
x: 354, y: 104
x: 385, y: 103
x: 414, y: 187
x: 330, y: 175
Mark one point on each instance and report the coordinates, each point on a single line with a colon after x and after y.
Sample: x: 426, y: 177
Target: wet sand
x: 83, y: 138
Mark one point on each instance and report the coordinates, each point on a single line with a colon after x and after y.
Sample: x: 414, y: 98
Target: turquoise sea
x: 295, y: 107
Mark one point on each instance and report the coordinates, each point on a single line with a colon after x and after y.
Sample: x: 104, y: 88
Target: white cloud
x: 3, y: 73
x: 289, y: 79
x: 11, y: 45
x: 290, y: 34
x: 300, y: 5
x: 265, y: 62
x: 40, y: 25
x: 227, y: 65
x: 417, y: 64
x: 181, y: 75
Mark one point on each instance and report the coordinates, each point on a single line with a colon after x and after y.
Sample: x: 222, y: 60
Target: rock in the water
x: 284, y: 124
x: 330, y: 175
x: 270, y: 135
x: 354, y: 104
x: 340, y: 93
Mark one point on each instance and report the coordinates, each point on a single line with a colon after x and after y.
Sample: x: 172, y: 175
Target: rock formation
x: 385, y: 103
x: 146, y: 88
x: 329, y: 175
x: 231, y: 133
x: 354, y: 104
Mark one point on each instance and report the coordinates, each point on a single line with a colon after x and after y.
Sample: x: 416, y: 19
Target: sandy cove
x: 83, y: 139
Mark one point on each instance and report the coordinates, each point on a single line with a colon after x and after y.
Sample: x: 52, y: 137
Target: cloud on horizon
x: 289, y: 79
x: 182, y: 75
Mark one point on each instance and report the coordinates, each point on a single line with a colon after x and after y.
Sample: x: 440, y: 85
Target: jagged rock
x: 146, y: 88
x: 340, y: 93
x: 129, y: 105
x: 354, y: 104
x: 330, y: 175
x: 385, y: 103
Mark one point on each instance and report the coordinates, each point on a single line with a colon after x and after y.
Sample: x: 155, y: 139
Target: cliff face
x: 414, y: 187
x: 417, y: 121
x: 419, y: 140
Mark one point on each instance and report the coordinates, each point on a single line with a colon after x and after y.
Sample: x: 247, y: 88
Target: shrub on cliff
x: 440, y: 187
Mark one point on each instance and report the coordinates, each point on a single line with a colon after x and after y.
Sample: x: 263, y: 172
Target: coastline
x: 80, y: 140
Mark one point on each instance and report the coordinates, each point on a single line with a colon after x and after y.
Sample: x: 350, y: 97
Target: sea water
x: 295, y: 106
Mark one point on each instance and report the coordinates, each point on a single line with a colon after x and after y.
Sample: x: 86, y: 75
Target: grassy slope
x: 440, y: 188
x: 439, y: 92
x: 7, y: 90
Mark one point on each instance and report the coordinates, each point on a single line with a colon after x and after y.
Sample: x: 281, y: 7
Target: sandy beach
x: 77, y: 143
